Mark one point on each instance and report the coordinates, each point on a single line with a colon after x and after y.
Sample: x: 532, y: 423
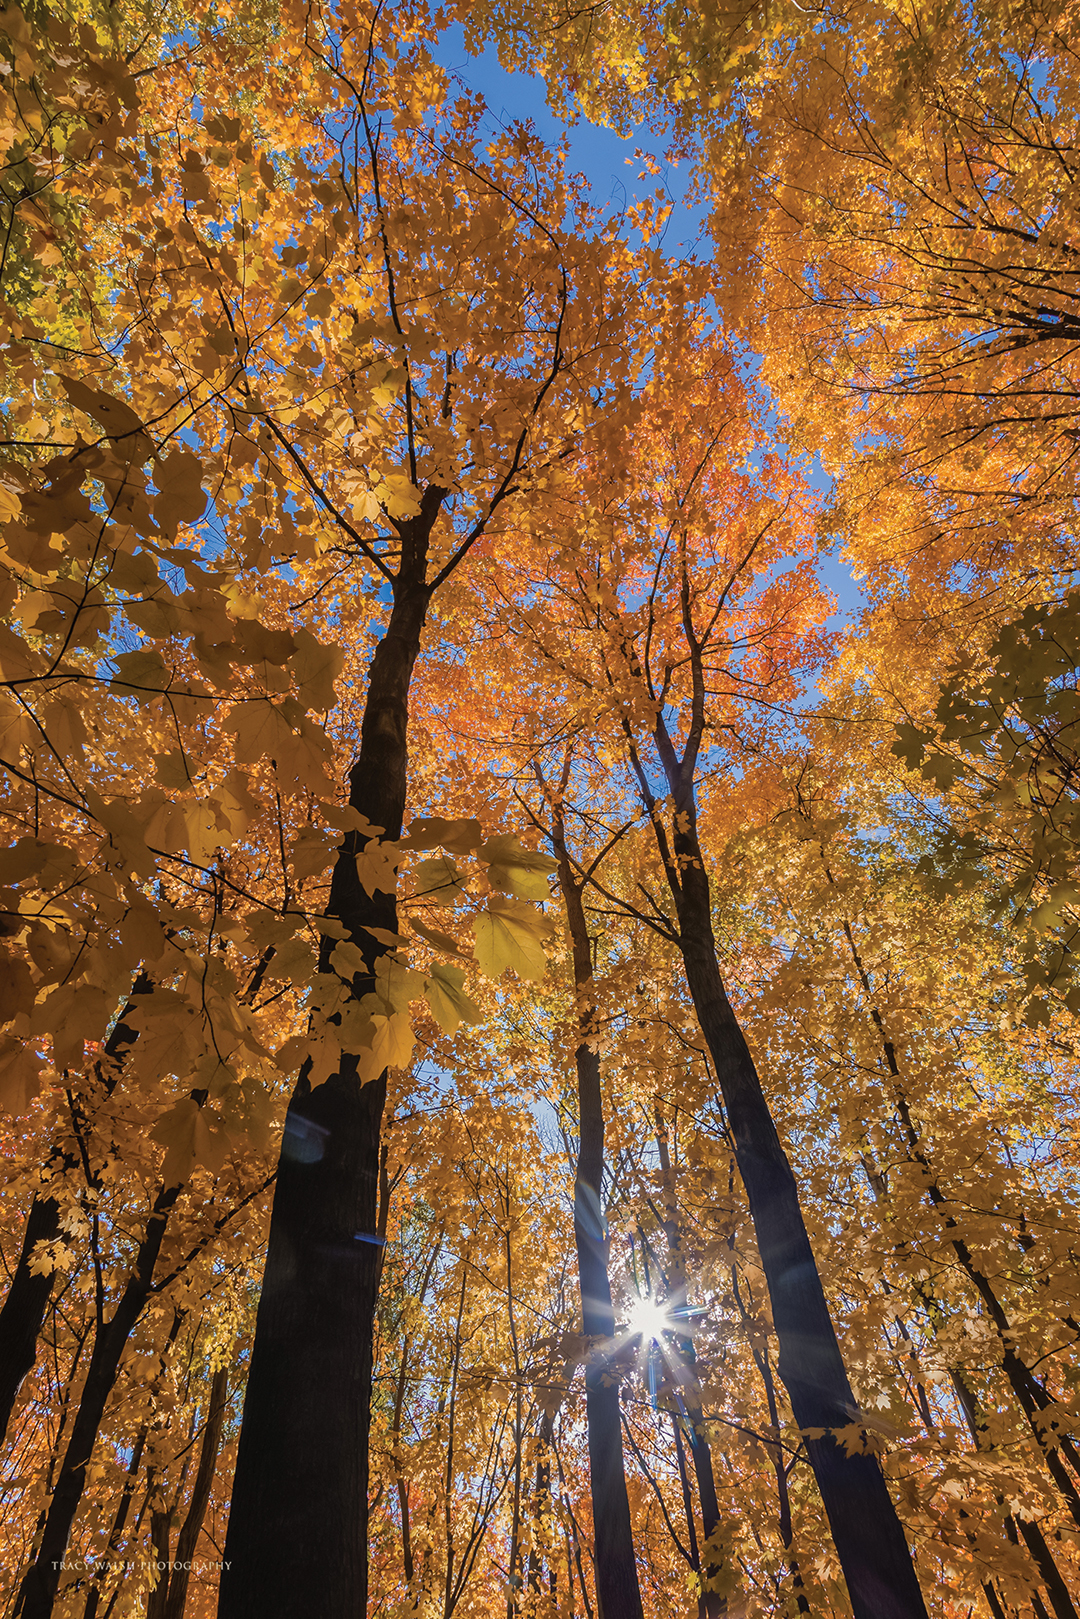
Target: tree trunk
x: 28, y: 1296
x: 617, y: 1592
x: 188, y: 1538
x: 869, y: 1539
x: 297, y: 1535
x: 1030, y: 1395
x: 689, y: 1386
x: 1017, y: 1529
x: 38, y: 1589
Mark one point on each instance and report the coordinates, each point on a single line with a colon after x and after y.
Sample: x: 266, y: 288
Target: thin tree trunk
x: 39, y: 1586
x: 297, y: 1535
x: 617, y: 1592
x: 1030, y: 1396
x: 188, y: 1538
x: 870, y: 1541
x: 28, y: 1295
x: 515, y: 1584
x: 402, y: 1484
x: 690, y: 1387
x: 784, y: 1524
x: 120, y: 1519
x: 160, y: 1533
x: 1017, y: 1529
x: 688, y: 1507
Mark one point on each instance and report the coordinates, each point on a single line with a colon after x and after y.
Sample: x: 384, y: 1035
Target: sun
x: 648, y: 1318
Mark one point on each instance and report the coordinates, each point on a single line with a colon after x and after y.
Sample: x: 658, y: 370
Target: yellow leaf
x: 438, y: 879
x: 511, y: 934
x: 311, y: 851
x: 260, y: 729
x: 141, y: 933
x: 188, y: 1134
x: 141, y: 674
x: 316, y: 667
x: 376, y: 867
x: 391, y: 1046
x: 441, y: 941
x: 448, y: 1001
x: 293, y: 960
x: 395, y: 986
x: 433, y: 832
x: 23, y: 858
x: 398, y: 496
x: 515, y: 869
x: 115, y: 415
x: 180, y: 497
x: 17, y: 729
x: 17, y: 992
x: 20, y: 1075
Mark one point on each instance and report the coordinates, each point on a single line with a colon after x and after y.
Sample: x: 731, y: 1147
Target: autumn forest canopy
x: 539, y: 1060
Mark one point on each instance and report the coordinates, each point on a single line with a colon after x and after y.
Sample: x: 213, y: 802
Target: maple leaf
x: 445, y: 995
x: 515, y: 869
x: 511, y: 934
x: 316, y: 667
x: 20, y: 1075
x: 180, y: 497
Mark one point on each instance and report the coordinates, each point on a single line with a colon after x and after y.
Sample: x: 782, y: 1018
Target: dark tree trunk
x: 93, y: 1601
x: 1016, y: 1529
x: 689, y: 1387
x: 25, y: 1306
x: 617, y: 1592
x: 297, y: 1536
x: 869, y: 1539
x: 188, y: 1538
x: 28, y: 1296
x: 38, y: 1589
x: 1030, y: 1395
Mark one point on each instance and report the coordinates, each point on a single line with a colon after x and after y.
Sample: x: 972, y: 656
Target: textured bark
x: 28, y: 1295
x: 297, y: 1535
x: 617, y: 1593
x: 869, y: 1539
x: 38, y: 1589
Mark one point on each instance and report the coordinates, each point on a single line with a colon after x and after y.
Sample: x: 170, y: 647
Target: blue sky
x: 606, y: 160
x: 609, y: 165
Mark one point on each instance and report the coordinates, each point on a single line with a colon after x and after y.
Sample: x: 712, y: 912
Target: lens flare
x: 649, y: 1318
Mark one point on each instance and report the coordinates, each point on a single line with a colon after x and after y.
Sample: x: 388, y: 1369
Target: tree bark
x: 188, y: 1538
x: 690, y: 1388
x: 29, y: 1294
x: 39, y: 1586
x: 617, y: 1592
x: 297, y: 1535
x: 869, y: 1539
